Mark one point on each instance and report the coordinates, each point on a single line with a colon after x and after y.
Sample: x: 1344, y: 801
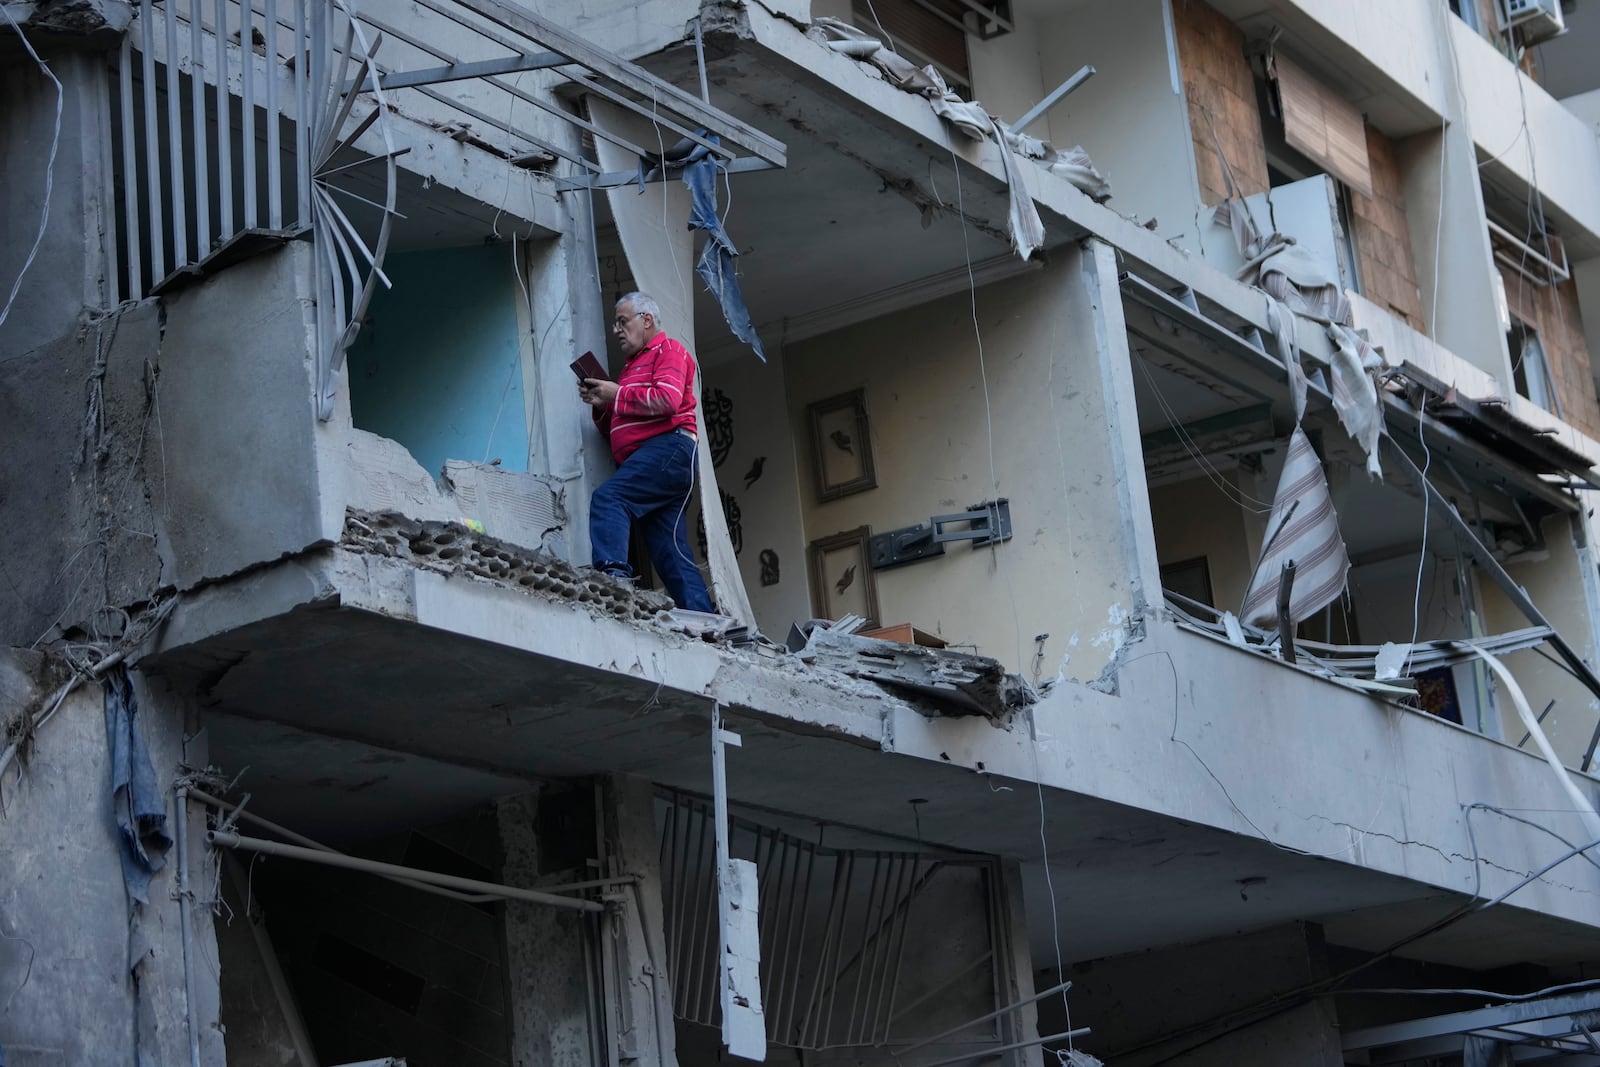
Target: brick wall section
x: 1553, y: 312
x: 1221, y: 90
x: 1386, y: 263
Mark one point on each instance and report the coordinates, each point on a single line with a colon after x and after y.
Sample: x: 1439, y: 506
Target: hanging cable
x: 49, y: 166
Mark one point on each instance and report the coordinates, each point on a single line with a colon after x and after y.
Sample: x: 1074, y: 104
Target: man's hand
x: 597, y: 392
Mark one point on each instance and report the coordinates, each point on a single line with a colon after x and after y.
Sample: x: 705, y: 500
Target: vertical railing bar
x: 870, y: 948
x: 152, y: 147
x: 838, y: 951
x: 844, y: 875
x: 274, y: 135
x: 898, y: 919
x: 130, y: 173
x: 790, y: 940
x: 197, y: 122
x: 302, y: 109
x: 766, y: 885
x: 871, y: 964
x: 680, y: 862
x: 894, y: 985
x: 679, y: 877
x: 247, y: 110
x: 782, y: 934
x: 110, y: 293
x: 702, y: 896
x: 665, y: 865
x: 683, y: 979
x: 997, y: 965
x: 880, y: 931
x: 778, y: 859
x: 771, y: 897
x: 180, y: 219
x: 861, y: 954
x: 897, y: 942
x: 224, y: 127
x: 322, y: 43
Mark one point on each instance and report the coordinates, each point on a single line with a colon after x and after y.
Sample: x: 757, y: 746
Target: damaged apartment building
x: 1146, y: 478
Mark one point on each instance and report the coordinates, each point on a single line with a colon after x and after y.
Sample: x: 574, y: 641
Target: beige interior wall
x: 1557, y: 588
x: 1192, y: 519
x: 767, y: 498
x: 1064, y: 427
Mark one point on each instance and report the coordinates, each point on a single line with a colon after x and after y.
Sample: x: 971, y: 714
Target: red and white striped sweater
x: 655, y: 395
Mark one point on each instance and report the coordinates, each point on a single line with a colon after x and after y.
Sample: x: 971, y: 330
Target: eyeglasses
x: 622, y: 320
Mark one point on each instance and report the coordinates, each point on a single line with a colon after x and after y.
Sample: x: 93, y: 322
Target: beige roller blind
x: 1324, y: 126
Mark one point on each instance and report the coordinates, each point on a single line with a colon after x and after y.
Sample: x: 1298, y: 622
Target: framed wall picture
x: 841, y: 576
x: 841, y: 441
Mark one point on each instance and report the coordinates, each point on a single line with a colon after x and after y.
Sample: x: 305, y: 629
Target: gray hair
x: 643, y: 304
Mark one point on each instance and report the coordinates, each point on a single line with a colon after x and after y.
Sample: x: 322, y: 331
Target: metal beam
x: 1037, y: 110
x: 1465, y: 1022
x: 508, y: 87
x: 455, y: 72
x: 613, y: 179
x: 629, y: 76
x: 1518, y: 596
x: 224, y: 839
x: 1504, y: 475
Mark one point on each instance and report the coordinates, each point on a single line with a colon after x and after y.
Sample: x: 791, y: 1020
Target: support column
x: 1015, y: 965
x: 69, y: 271
x: 645, y: 1032
x: 567, y: 317
x: 549, y: 969
x: 1458, y: 298
x: 93, y: 976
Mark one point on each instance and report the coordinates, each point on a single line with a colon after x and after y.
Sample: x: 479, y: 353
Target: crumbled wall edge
x: 452, y: 548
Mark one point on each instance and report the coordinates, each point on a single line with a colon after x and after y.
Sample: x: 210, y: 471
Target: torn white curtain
x: 1297, y: 284
x: 1073, y: 164
x: 1355, y: 397
x: 1304, y: 528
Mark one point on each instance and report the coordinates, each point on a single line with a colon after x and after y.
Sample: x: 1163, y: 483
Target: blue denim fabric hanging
x: 715, y: 265
x: 136, y: 799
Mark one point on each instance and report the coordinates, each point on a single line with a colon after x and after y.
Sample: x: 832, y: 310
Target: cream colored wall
x: 1005, y: 72
x: 1557, y: 589
x: 1192, y: 519
x: 1060, y: 393
x: 769, y: 507
x: 1132, y: 117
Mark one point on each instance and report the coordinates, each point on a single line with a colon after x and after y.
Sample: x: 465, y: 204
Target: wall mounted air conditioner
x: 1535, y: 20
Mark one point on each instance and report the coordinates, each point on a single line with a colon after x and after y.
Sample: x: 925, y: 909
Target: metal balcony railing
x: 235, y: 125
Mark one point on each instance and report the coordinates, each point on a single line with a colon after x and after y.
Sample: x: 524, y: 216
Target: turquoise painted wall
x: 440, y: 359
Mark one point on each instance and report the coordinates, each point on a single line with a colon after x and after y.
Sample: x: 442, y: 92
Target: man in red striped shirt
x: 648, y: 414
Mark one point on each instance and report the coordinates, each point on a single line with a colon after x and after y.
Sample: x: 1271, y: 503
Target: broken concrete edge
x: 453, y: 548
x: 947, y: 682
x: 777, y: 691
x: 100, y: 23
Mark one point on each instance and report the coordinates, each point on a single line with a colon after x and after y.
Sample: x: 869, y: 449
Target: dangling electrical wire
x: 49, y: 166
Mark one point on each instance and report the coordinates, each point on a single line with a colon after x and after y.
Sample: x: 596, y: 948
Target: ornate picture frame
x: 842, y: 579
x: 841, y: 441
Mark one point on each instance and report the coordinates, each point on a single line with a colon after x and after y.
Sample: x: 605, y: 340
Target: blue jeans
x: 652, y: 488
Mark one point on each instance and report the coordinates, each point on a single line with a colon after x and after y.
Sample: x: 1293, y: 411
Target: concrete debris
x: 95, y: 19
x: 709, y: 625
x: 453, y: 548
x: 1390, y: 661
x: 1027, y: 231
x: 952, y: 683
